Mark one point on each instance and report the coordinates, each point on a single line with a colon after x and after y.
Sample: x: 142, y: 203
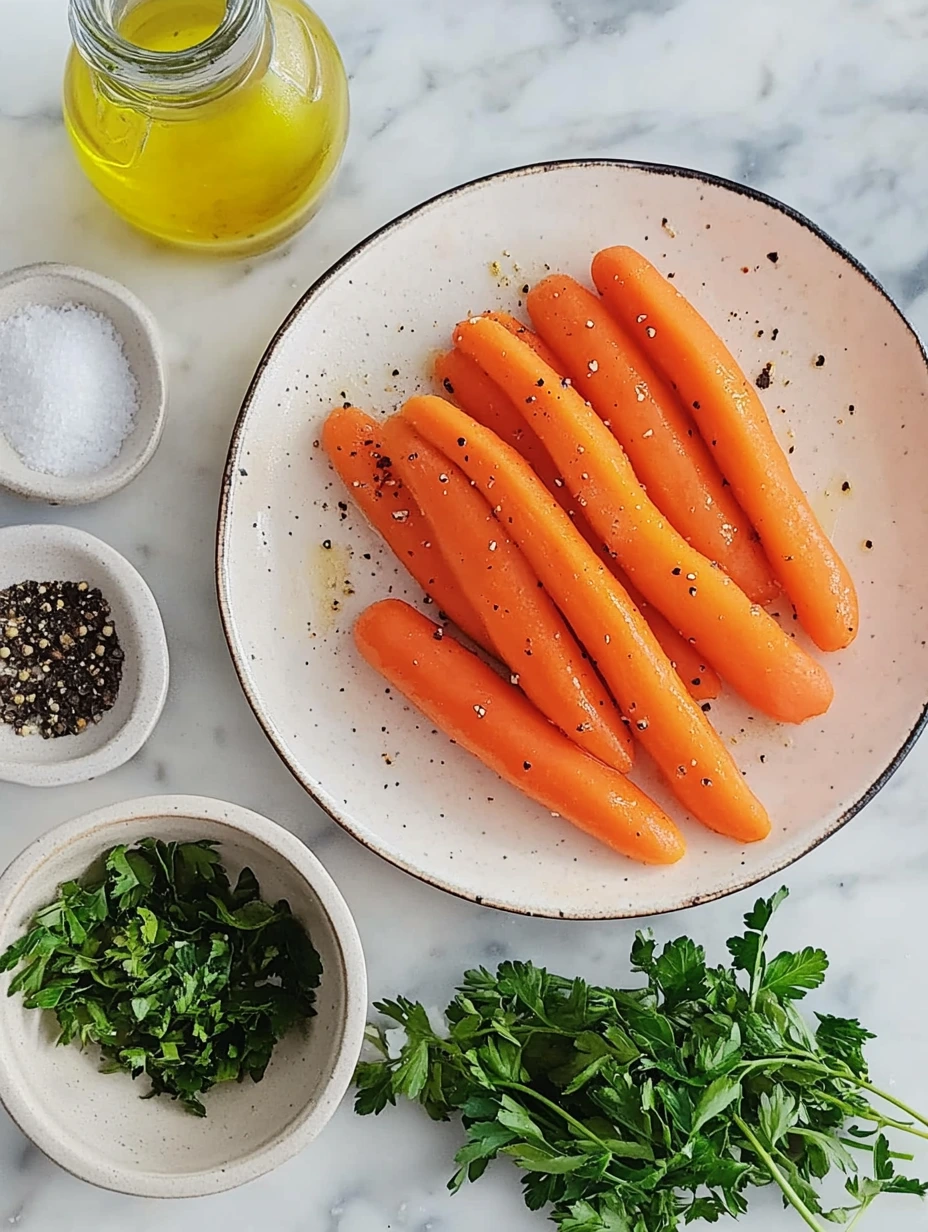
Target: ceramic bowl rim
x: 152, y: 689
x: 342, y: 817
x: 352, y: 971
x: 83, y: 489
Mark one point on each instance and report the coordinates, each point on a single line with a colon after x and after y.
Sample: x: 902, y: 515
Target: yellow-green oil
x: 237, y: 170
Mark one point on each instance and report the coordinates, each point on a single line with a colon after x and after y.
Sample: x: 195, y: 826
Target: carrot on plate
x: 493, y: 720
x: 481, y: 397
x: 645, y: 416
x: 663, y: 716
x: 733, y: 422
x: 353, y: 442
x: 538, y: 344
x: 701, y: 680
x: 478, y: 395
x: 741, y: 641
x: 528, y: 631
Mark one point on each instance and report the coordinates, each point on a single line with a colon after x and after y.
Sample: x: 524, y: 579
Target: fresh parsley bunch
x: 646, y: 1109
x: 171, y: 970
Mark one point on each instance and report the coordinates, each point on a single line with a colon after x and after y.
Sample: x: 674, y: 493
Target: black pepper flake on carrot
x: 706, y: 707
x: 448, y: 386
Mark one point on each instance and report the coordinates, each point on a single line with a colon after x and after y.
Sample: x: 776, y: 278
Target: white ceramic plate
x: 97, y: 1125
x: 780, y: 291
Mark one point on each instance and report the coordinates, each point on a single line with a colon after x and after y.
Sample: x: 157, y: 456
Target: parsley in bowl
x: 197, y: 949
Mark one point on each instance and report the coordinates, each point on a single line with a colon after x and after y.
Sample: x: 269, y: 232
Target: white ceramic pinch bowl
x: 55, y: 286
x: 62, y: 553
x: 96, y: 1125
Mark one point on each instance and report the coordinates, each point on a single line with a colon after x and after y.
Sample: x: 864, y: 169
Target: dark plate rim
x: 538, y: 168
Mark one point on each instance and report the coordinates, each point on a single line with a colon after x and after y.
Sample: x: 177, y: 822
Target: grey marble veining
x: 823, y: 104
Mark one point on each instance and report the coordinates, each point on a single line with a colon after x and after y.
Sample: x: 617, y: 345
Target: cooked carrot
x: 701, y: 681
x: 528, y: 631
x: 645, y: 416
x: 476, y: 393
x: 495, y: 721
x: 733, y: 422
x: 539, y: 345
x: 353, y: 442
x: 741, y: 641
x: 483, y: 400
x: 667, y: 721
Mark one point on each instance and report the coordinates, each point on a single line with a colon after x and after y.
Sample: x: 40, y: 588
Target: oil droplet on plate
x: 329, y: 582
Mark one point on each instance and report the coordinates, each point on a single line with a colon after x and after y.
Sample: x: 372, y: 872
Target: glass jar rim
x: 179, y: 73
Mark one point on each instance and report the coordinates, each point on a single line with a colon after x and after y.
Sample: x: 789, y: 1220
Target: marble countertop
x: 823, y: 105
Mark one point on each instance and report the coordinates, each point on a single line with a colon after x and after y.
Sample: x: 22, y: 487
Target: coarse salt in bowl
x: 82, y: 391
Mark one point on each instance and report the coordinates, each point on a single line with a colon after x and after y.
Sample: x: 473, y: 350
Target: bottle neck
x: 191, y: 74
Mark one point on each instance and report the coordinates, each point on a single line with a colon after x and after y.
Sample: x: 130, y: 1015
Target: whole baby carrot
x: 482, y: 398
x: 741, y: 641
x: 493, y: 720
x: 525, y: 627
x: 353, y: 442
x: 645, y: 416
x: 733, y: 422
x: 663, y: 716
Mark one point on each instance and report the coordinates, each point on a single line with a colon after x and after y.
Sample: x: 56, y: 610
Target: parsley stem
x: 891, y: 1099
x: 562, y: 1112
x: 866, y: 1146
x: 859, y: 1215
x: 788, y: 1192
x: 871, y: 1114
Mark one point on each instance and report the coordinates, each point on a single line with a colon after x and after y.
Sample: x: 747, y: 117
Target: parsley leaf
x: 792, y: 975
x: 656, y: 1107
x: 172, y: 972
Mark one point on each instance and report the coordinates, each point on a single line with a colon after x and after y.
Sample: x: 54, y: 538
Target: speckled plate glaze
x: 97, y: 1125
x: 846, y: 397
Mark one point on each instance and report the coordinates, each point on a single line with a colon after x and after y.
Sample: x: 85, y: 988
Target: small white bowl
x: 96, y: 1125
x: 54, y: 286
x: 62, y: 553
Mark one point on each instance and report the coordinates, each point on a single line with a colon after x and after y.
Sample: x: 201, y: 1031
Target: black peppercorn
x: 60, y: 658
